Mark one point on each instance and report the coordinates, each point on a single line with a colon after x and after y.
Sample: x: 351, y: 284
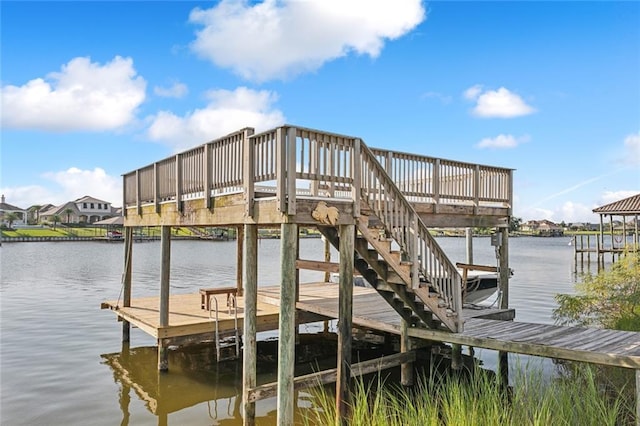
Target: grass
x: 480, y: 400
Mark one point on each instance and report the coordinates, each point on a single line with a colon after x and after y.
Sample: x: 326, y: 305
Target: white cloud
x: 84, y: 95
x: 68, y: 185
x: 473, y: 92
x: 569, y: 212
x: 503, y: 141
x: 612, y: 196
x: 226, y: 112
x: 499, y: 103
x: 632, y: 149
x: 279, y: 39
x: 445, y: 99
x: 177, y: 90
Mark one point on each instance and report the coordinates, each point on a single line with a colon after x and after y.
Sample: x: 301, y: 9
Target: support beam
x: 165, y: 267
x: 126, y: 282
x: 406, y: 369
x: 504, y: 268
x: 239, y: 251
x: 249, y: 354
x: 287, y: 325
x: 468, y: 232
x: 345, y: 322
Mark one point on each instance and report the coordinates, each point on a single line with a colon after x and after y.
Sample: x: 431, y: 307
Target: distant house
x: 83, y: 210
x: 544, y: 228
x: 33, y: 212
x: 6, y: 208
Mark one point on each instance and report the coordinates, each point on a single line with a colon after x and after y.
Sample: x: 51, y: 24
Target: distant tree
x: 563, y: 224
x: 55, y: 218
x: 514, y: 224
x: 68, y: 211
x: 11, y: 217
x: 36, y: 210
x: 610, y: 299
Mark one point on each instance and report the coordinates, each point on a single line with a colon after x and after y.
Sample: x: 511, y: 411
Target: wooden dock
x: 376, y: 207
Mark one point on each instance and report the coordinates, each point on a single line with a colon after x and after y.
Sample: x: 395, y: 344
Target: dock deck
x: 188, y: 320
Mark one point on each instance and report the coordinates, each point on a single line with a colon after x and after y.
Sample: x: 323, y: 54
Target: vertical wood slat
x: 207, y: 166
x: 249, y: 347
x: 178, y: 177
x: 165, y: 268
x: 156, y: 188
x: 345, y: 313
x: 356, y: 186
x: 281, y: 183
x: 476, y: 189
x: 248, y: 169
x: 138, y: 203
x: 436, y: 185
x: 287, y: 323
x: 291, y: 170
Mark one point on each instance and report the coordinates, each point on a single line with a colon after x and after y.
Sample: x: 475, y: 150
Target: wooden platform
x: 317, y: 302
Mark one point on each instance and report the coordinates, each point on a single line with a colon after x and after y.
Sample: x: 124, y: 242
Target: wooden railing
x: 405, y: 226
x: 325, y: 164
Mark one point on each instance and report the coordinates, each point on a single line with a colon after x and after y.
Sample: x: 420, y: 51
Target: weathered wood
x: 239, y: 258
x: 473, y: 267
x: 327, y: 258
x: 345, y: 312
x: 248, y: 174
x: 456, y: 356
x: 468, y: 232
x: 126, y: 284
x: 250, y: 319
x: 165, y: 268
x: 317, y: 265
x: 286, y: 335
x: 504, y: 268
x: 406, y: 368
x: 268, y: 390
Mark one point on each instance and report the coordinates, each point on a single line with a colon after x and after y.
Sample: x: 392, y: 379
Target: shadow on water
x: 195, y: 378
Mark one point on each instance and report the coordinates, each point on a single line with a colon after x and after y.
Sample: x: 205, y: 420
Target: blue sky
x: 91, y: 90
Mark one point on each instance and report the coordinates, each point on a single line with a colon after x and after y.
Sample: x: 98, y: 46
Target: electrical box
x: 496, y: 240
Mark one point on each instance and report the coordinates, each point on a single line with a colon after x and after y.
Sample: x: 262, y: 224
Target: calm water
x: 60, y: 354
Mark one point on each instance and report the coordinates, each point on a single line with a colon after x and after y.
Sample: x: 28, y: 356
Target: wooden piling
x: 468, y: 232
x: 345, y: 322
x: 239, y: 259
x: 406, y: 369
x: 250, y: 321
x: 456, y: 357
x: 504, y: 268
x: 126, y: 283
x: 287, y: 323
x: 165, y: 249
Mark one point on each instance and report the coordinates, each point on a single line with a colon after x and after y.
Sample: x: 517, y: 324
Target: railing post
x: 291, y: 170
x: 179, y: 182
x: 510, y: 195
x: 415, y: 253
x: 124, y: 196
x: 281, y: 175
x: 248, y: 172
x: 207, y: 166
x: 476, y: 189
x: 156, y: 188
x: 436, y: 185
x: 138, y: 203
x: 356, y: 188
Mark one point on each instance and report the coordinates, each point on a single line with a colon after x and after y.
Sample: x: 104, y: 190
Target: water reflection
x: 194, y: 378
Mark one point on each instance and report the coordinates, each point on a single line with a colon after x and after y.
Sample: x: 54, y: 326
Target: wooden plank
x: 249, y: 348
x: 345, y: 314
x: 165, y: 268
x: 286, y: 336
x: 317, y: 265
x: 268, y: 390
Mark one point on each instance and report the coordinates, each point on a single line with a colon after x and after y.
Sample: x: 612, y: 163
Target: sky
x: 92, y: 90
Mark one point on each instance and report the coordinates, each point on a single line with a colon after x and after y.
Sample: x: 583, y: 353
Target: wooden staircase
x: 417, y: 278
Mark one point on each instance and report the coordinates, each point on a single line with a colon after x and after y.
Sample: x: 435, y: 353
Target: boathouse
x: 376, y: 207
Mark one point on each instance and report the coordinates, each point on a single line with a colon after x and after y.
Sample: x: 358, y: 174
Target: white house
x: 6, y: 208
x: 83, y: 210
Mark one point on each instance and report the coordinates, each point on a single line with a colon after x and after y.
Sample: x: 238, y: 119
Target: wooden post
x: 504, y: 268
x: 406, y: 369
x: 327, y: 258
x: 345, y: 312
x: 239, y: 250
x: 165, y: 248
x: 503, y: 368
x: 613, y: 253
x: 249, y: 347
x: 248, y: 164
x: 126, y: 284
x: 287, y: 325
x: 456, y: 356
x: 637, y: 397
x: 468, y: 232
